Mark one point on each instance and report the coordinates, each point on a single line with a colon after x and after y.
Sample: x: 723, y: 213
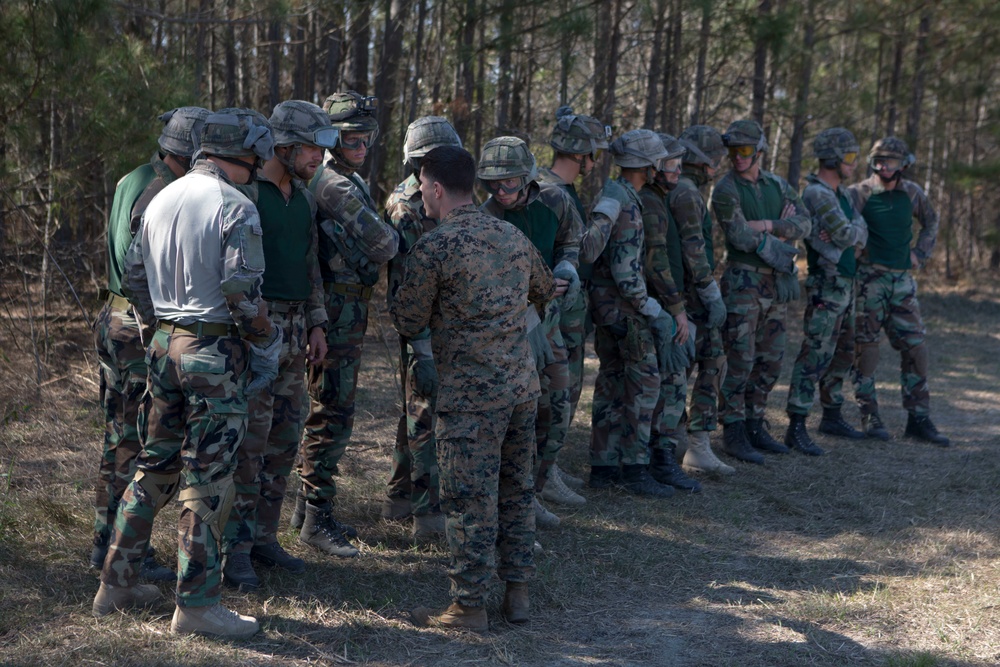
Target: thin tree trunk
x: 385, y: 84
x: 480, y: 90
x: 704, y: 33
x: 653, y: 74
x: 802, y: 95
x: 676, y: 42
x: 229, y: 47
x: 919, y: 74
x: 879, y: 91
x: 334, y: 30
x: 760, y: 64
x: 299, y: 75
x: 501, y: 118
x: 418, y: 54
x: 274, y: 78
x: 897, y: 74
x: 361, y: 36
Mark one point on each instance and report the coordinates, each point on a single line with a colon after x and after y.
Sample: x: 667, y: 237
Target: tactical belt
x: 200, y: 329
x: 750, y: 267
x: 347, y: 289
x: 883, y: 267
x: 291, y: 307
x: 118, y: 302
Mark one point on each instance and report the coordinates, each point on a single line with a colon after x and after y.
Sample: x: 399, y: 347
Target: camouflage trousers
x: 754, y: 338
x: 333, y: 387
x: 274, y: 429
x: 888, y: 299
x: 703, y: 413
x: 668, y: 411
x: 414, y: 460
x: 193, y: 419
x: 625, y: 394
x: 553, y: 416
x: 827, y: 351
x: 575, y: 323
x: 487, y: 492
x: 123, y: 380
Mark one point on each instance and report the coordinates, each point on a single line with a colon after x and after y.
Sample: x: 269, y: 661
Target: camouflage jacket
x: 618, y: 288
x: 823, y: 204
x: 690, y: 213
x: 570, y: 229
x: 198, y: 256
x: 730, y: 215
x: 353, y: 240
x: 656, y: 257
x: 924, y: 213
x: 471, y: 280
x: 404, y: 210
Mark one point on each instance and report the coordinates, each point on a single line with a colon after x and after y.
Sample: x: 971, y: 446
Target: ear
x: 438, y: 190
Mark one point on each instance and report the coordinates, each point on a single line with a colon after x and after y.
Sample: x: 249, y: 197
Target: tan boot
x: 428, y: 528
x: 699, y: 456
x: 455, y: 617
x: 568, y: 479
x: 515, y: 602
x: 556, y: 491
x: 394, y: 509
x: 214, y: 621
x: 543, y: 517
x: 117, y: 598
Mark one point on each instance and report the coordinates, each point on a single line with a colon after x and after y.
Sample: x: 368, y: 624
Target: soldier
x: 758, y: 211
x: 120, y: 351
x: 827, y: 351
x: 887, y: 292
x: 196, y: 266
x: 471, y: 280
x: 413, y: 485
x: 576, y: 141
x: 354, y: 242
x: 630, y: 327
x: 293, y: 291
x: 702, y: 297
x: 664, y: 274
x: 548, y: 217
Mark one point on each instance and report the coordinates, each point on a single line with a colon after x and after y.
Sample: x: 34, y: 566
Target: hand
x: 681, y: 336
x: 566, y: 273
x: 680, y: 356
x: 914, y: 260
x: 788, y: 210
x: 561, y: 286
x: 757, y: 225
x: 317, y: 346
x: 824, y: 236
x: 711, y: 299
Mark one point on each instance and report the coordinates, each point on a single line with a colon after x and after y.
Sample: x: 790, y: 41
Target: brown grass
x: 877, y: 554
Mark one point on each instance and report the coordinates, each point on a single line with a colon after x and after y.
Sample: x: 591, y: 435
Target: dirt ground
x: 876, y: 554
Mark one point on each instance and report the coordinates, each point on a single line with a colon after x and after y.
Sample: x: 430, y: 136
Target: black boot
x: 151, y: 570
x: 298, y: 516
x: 797, y: 437
x: 636, y: 480
x: 873, y: 427
x: 99, y: 552
x: 664, y: 469
x: 833, y: 423
x: 273, y: 555
x: 922, y: 428
x: 237, y: 572
x: 736, y: 444
x: 760, y: 439
x: 603, y: 477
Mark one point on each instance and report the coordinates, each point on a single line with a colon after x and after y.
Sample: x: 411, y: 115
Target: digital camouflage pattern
x: 194, y: 418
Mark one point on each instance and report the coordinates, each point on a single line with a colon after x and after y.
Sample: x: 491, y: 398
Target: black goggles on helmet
x: 502, y: 186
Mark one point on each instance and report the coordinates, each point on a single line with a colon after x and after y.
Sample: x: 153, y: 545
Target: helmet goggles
x: 357, y: 139
x: 507, y: 186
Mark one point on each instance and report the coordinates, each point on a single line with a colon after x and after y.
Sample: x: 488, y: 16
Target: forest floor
x: 876, y: 554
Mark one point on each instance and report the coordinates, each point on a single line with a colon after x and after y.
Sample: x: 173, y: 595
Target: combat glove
x: 786, y: 285
x: 777, y: 254
x: 663, y: 327
x: 680, y: 357
x: 536, y: 338
x: 711, y: 299
x: 566, y: 271
x: 425, y: 376
x: 264, y: 364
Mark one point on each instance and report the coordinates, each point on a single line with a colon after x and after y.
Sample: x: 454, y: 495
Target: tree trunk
x: 334, y: 30
x: 418, y: 51
x: 919, y: 74
x: 385, y: 86
x: 879, y: 91
x: 897, y: 74
x: 299, y: 75
x: 802, y: 95
x: 676, y: 41
x: 505, y: 43
x: 464, y: 74
x: 656, y: 54
x: 704, y: 34
x: 274, y: 79
x: 760, y: 63
x: 361, y: 36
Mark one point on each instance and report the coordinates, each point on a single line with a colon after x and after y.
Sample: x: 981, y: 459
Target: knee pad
x: 159, y: 486
x: 196, y: 498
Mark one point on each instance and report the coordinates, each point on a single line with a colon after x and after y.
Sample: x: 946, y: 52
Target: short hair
x: 451, y: 166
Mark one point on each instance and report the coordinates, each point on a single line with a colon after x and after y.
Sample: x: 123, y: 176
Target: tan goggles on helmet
x: 356, y: 140
x: 742, y: 151
x: 850, y: 158
x: 887, y: 164
x: 508, y: 186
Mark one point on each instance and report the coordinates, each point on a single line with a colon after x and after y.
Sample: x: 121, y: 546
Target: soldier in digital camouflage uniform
x: 758, y: 212
x: 887, y: 292
x: 576, y: 141
x: 293, y: 291
x: 548, y: 217
x: 702, y: 297
x: 354, y: 242
x: 471, y: 280
x: 119, y: 346
x: 413, y: 485
x: 664, y: 274
x: 196, y: 266
x: 827, y: 351
x: 630, y: 327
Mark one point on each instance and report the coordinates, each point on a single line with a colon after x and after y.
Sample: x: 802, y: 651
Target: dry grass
x: 877, y: 554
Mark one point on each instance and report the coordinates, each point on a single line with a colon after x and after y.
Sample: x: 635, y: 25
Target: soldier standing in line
x: 293, y: 291
x: 664, y: 273
x: 548, y: 217
x: 576, y: 140
x: 196, y: 266
x: 703, y: 299
x: 471, y: 280
x: 354, y: 242
x: 122, y: 357
x: 887, y: 292
x: 630, y: 327
x: 758, y: 211
x: 413, y: 485
x: 837, y: 236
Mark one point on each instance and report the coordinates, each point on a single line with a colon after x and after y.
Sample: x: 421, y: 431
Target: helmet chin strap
x: 343, y: 162
x: 289, y: 162
x: 250, y: 167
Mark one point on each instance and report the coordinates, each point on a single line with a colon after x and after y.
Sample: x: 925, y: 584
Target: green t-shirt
x: 129, y: 189
x: 539, y: 224
x: 674, y: 251
x: 758, y: 201
x: 889, y: 216
x: 287, y: 228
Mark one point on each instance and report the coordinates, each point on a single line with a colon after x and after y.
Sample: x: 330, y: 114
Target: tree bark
x: 919, y: 74
x: 361, y: 36
x: 897, y: 74
x: 653, y: 75
x: 704, y: 34
x: 760, y: 62
x: 505, y: 43
x: 418, y: 54
x: 802, y: 95
x: 274, y: 79
x: 385, y: 86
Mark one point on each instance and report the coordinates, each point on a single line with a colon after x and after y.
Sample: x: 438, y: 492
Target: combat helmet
x: 637, y: 149
x: 301, y: 122
x: 425, y: 134
x: 708, y: 141
x: 233, y: 132
x: 891, y: 148
x: 745, y: 133
x: 181, y: 132
x: 672, y: 145
x: 835, y: 145
x: 505, y: 158
x: 576, y: 134
x: 352, y: 112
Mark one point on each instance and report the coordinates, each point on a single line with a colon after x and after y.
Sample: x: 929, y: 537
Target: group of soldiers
x: 242, y: 262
